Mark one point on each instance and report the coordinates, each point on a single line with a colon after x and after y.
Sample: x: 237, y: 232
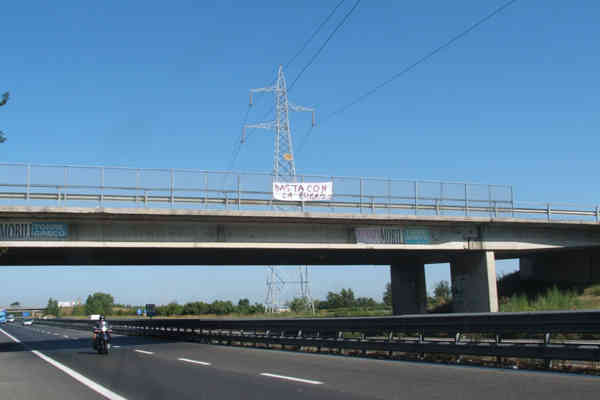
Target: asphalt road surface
x: 41, y: 362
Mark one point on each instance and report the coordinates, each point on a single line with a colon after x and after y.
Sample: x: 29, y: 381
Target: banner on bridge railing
x: 302, y: 191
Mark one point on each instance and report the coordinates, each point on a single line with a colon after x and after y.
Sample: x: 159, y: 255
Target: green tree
x: 366, y: 302
x: 52, y: 308
x: 387, y: 295
x: 99, y: 303
x: 243, y: 306
x: 299, y: 304
x: 442, y: 292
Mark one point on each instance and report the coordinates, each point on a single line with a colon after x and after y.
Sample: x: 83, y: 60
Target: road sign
x: 150, y: 310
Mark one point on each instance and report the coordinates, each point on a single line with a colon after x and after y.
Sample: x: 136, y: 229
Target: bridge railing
x: 70, y: 185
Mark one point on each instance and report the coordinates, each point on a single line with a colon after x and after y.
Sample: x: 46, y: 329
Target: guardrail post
x: 597, y: 213
x: 547, y: 362
x: 548, y: 211
x: 437, y: 207
x: 498, y: 341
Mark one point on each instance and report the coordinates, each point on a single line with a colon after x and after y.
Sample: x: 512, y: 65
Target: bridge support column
x: 409, y: 295
x: 474, y: 282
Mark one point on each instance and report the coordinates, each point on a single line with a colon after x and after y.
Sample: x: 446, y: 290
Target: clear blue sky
x: 165, y: 84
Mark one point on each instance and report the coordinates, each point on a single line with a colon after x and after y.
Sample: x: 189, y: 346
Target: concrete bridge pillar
x: 474, y: 282
x: 409, y: 295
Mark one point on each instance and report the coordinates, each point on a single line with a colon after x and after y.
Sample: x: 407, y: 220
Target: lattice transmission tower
x: 284, y: 170
x: 284, y: 166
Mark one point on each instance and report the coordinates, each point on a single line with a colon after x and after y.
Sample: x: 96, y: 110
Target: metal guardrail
x: 386, y: 333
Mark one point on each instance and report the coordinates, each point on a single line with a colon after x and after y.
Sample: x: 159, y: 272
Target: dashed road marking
x: 291, y: 378
x: 144, y: 351
x: 194, y: 361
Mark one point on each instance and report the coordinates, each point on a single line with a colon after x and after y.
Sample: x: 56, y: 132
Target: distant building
x: 74, y: 303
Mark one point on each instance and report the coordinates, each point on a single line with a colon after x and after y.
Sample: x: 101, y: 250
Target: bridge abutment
x: 409, y: 294
x: 566, y: 267
x: 474, y: 282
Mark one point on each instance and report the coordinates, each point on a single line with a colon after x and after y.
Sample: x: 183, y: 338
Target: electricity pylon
x: 284, y: 167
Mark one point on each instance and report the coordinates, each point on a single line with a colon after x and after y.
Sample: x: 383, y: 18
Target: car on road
x: 10, y: 318
x: 27, y: 322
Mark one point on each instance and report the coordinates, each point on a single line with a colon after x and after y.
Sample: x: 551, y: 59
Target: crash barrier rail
x: 64, y: 185
x: 441, y: 333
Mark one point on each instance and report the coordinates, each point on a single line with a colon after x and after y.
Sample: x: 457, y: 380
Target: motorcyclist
x: 102, y: 323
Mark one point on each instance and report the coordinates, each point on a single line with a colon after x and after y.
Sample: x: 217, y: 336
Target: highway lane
x: 135, y: 375
x: 148, y: 368
x: 23, y: 375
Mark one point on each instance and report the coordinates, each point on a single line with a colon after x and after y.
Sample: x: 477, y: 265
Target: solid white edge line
x: 291, y: 378
x: 144, y: 351
x: 73, y: 374
x: 10, y: 336
x: 194, y: 361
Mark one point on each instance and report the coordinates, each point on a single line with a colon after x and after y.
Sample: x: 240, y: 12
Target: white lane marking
x: 65, y: 336
x: 115, y: 347
x: 10, y: 336
x: 145, y: 352
x: 73, y: 374
x: 194, y: 361
x: 291, y: 378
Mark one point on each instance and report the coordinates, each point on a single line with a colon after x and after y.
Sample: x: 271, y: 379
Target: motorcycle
x: 102, y: 342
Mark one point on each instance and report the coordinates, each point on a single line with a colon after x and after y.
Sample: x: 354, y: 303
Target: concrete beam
x: 409, y: 295
x: 474, y: 282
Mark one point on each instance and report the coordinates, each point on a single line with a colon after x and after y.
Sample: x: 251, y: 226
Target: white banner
x: 302, y: 191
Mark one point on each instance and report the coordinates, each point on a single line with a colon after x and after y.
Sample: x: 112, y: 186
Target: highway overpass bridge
x: 118, y: 236
x: 96, y: 215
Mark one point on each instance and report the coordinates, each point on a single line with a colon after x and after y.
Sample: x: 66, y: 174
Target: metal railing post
x: 28, y: 181
x: 361, y: 195
x: 172, y: 187
x: 512, y: 202
x: 137, y: 183
x: 302, y: 201
x: 490, y: 199
x: 597, y: 213
x: 416, y: 195
x: 548, y: 211
x: 238, y: 192
x: 389, y: 195
x: 466, y: 200
x: 206, y: 190
x: 102, y: 187
x: 66, y: 184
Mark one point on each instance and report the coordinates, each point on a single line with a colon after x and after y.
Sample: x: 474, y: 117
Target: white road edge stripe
x: 144, y: 351
x: 194, y: 361
x: 73, y: 374
x: 291, y: 378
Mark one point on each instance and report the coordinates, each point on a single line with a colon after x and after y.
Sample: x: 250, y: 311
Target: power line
x: 237, y: 146
x: 408, y: 68
x: 315, y: 33
x: 422, y: 59
x: 313, y: 58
